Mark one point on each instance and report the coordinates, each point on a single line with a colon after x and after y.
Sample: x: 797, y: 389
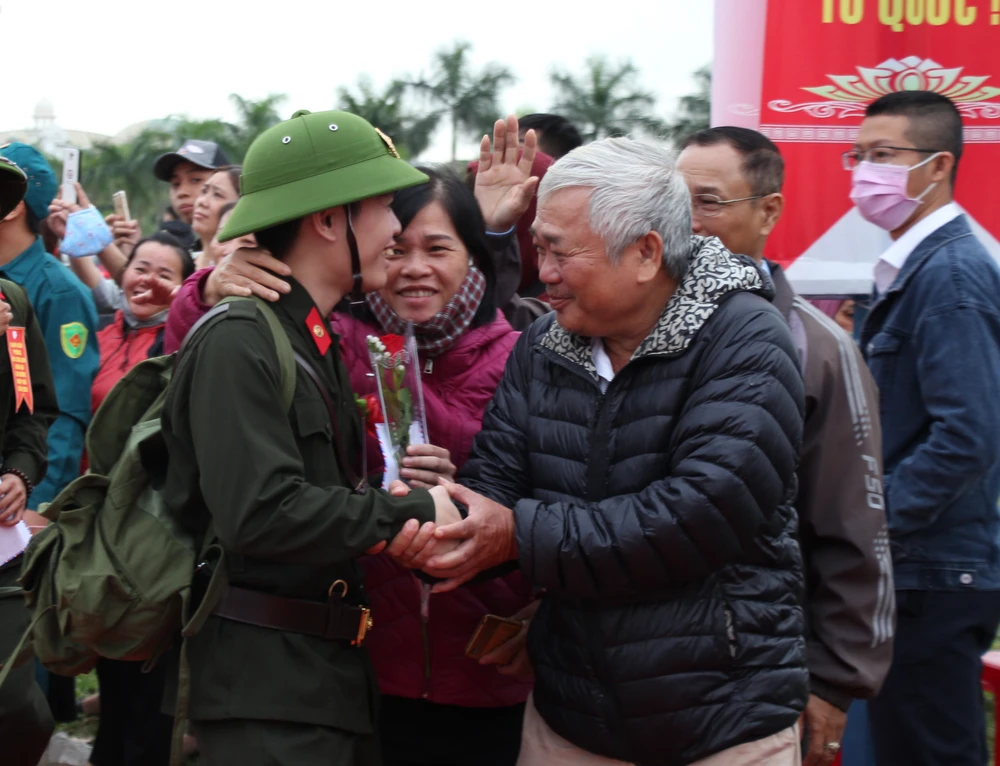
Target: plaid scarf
x: 440, y: 332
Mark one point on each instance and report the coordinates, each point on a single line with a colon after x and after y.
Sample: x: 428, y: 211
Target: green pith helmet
x: 313, y: 162
x: 13, y: 185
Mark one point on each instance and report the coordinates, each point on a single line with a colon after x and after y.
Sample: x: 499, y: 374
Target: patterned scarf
x: 440, y: 332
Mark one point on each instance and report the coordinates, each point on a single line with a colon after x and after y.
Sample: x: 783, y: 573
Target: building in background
x: 49, y: 136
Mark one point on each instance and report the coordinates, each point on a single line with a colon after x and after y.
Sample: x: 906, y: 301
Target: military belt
x: 332, y: 620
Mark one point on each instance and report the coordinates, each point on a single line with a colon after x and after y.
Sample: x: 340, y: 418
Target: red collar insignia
x: 319, y: 331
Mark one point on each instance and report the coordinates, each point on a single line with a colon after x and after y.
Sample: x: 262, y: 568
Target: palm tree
x: 695, y: 110
x: 225, y: 134
x: 387, y: 111
x: 469, y: 99
x: 252, y: 119
x: 605, y: 100
x: 130, y: 167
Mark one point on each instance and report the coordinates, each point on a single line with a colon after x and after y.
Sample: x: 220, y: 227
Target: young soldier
x: 25, y: 721
x: 277, y: 673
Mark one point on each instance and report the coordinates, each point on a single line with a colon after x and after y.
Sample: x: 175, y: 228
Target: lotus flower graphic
x: 849, y: 94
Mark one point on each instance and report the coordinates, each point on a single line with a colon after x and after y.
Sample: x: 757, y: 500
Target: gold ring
x: 334, y: 587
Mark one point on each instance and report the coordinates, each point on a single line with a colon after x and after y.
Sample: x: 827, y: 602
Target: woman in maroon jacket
x: 438, y: 707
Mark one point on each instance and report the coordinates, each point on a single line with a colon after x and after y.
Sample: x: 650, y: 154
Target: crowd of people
x: 715, y: 513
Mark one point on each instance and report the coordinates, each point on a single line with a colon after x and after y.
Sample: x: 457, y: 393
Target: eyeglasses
x: 880, y: 155
x: 709, y: 206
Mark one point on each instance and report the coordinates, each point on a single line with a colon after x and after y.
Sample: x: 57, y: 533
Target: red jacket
x: 423, y: 657
x: 120, y: 350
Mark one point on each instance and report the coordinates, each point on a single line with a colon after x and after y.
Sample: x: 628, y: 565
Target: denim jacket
x: 932, y: 342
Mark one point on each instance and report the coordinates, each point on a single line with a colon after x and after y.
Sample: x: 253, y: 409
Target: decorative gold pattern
x: 910, y: 73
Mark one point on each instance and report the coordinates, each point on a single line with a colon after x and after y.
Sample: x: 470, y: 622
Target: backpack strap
x: 246, y: 308
x: 286, y: 356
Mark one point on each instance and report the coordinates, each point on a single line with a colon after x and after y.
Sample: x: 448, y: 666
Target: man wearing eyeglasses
x: 932, y: 341
x: 735, y: 177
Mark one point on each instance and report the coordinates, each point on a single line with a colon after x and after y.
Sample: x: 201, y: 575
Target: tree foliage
x: 468, y: 99
x: 605, y: 100
x: 695, y: 110
x: 389, y: 111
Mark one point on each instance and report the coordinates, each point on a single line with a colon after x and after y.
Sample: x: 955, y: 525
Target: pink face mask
x: 879, y: 192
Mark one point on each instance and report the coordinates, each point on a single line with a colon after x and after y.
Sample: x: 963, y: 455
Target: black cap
x: 204, y: 154
x: 182, y: 232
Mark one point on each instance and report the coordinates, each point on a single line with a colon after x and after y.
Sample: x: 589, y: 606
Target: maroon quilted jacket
x: 418, y: 643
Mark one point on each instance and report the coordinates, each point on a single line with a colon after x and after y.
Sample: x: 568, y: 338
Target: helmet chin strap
x: 357, y: 293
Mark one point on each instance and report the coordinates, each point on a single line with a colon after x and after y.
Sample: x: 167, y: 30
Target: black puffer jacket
x: 658, y: 518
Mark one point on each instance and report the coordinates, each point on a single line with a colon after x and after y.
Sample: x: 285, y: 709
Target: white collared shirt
x: 892, y: 260
x: 602, y: 362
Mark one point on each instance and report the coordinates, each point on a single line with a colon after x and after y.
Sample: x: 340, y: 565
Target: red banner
x: 18, y: 351
x: 824, y: 61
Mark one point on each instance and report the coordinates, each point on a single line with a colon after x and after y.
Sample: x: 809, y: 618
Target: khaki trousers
x: 540, y: 746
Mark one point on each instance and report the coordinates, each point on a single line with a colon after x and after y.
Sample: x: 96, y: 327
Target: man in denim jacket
x: 932, y: 341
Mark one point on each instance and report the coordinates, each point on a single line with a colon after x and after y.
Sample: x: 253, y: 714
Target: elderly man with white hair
x: 638, y: 461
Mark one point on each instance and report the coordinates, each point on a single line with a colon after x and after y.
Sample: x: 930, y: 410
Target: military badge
x: 73, y: 337
x: 389, y: 143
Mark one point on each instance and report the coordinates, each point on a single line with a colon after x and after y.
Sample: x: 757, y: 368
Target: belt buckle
x: 364, y: 625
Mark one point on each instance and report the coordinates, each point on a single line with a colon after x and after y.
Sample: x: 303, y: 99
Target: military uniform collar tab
x: 303, y: 312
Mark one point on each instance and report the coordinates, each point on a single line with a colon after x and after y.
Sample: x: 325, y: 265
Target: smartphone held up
x: 70, y: 174
x: 121, y: 205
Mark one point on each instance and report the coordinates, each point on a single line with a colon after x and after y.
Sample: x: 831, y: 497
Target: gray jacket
x: 850, y: 602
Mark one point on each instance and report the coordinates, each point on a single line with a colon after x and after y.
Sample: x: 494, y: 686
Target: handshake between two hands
x: 450, y: 548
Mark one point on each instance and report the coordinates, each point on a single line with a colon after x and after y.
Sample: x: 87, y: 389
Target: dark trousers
x: 278, y: 743
x: 25, y: 720
x: 930, y: 709
x: 132, y: 731
x: 420, y: 733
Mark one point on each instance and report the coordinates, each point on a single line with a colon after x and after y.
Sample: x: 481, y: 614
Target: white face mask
x: 880, y: 193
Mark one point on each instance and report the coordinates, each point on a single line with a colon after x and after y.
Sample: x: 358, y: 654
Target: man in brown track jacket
x: 735, y: 177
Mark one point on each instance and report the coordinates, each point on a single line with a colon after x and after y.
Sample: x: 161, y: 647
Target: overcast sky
x: 105, y: 64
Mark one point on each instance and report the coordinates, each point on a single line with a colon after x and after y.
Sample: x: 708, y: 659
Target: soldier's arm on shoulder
x: 251, y: 472
x: 24, y: 442
x: 842, y: 519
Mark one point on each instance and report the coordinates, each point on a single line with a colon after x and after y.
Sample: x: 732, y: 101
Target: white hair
x: 636, y: 189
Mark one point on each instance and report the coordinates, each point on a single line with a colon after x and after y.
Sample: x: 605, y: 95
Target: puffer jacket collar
x: 713, y: 274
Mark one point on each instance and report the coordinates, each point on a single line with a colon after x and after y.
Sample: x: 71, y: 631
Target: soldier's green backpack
x: 111, y: 575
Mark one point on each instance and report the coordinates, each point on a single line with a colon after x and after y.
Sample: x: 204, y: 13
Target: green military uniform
x: 273, y: 487
x: 25, y: 721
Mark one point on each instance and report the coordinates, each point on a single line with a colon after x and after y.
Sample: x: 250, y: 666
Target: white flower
x: 375, y: 345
